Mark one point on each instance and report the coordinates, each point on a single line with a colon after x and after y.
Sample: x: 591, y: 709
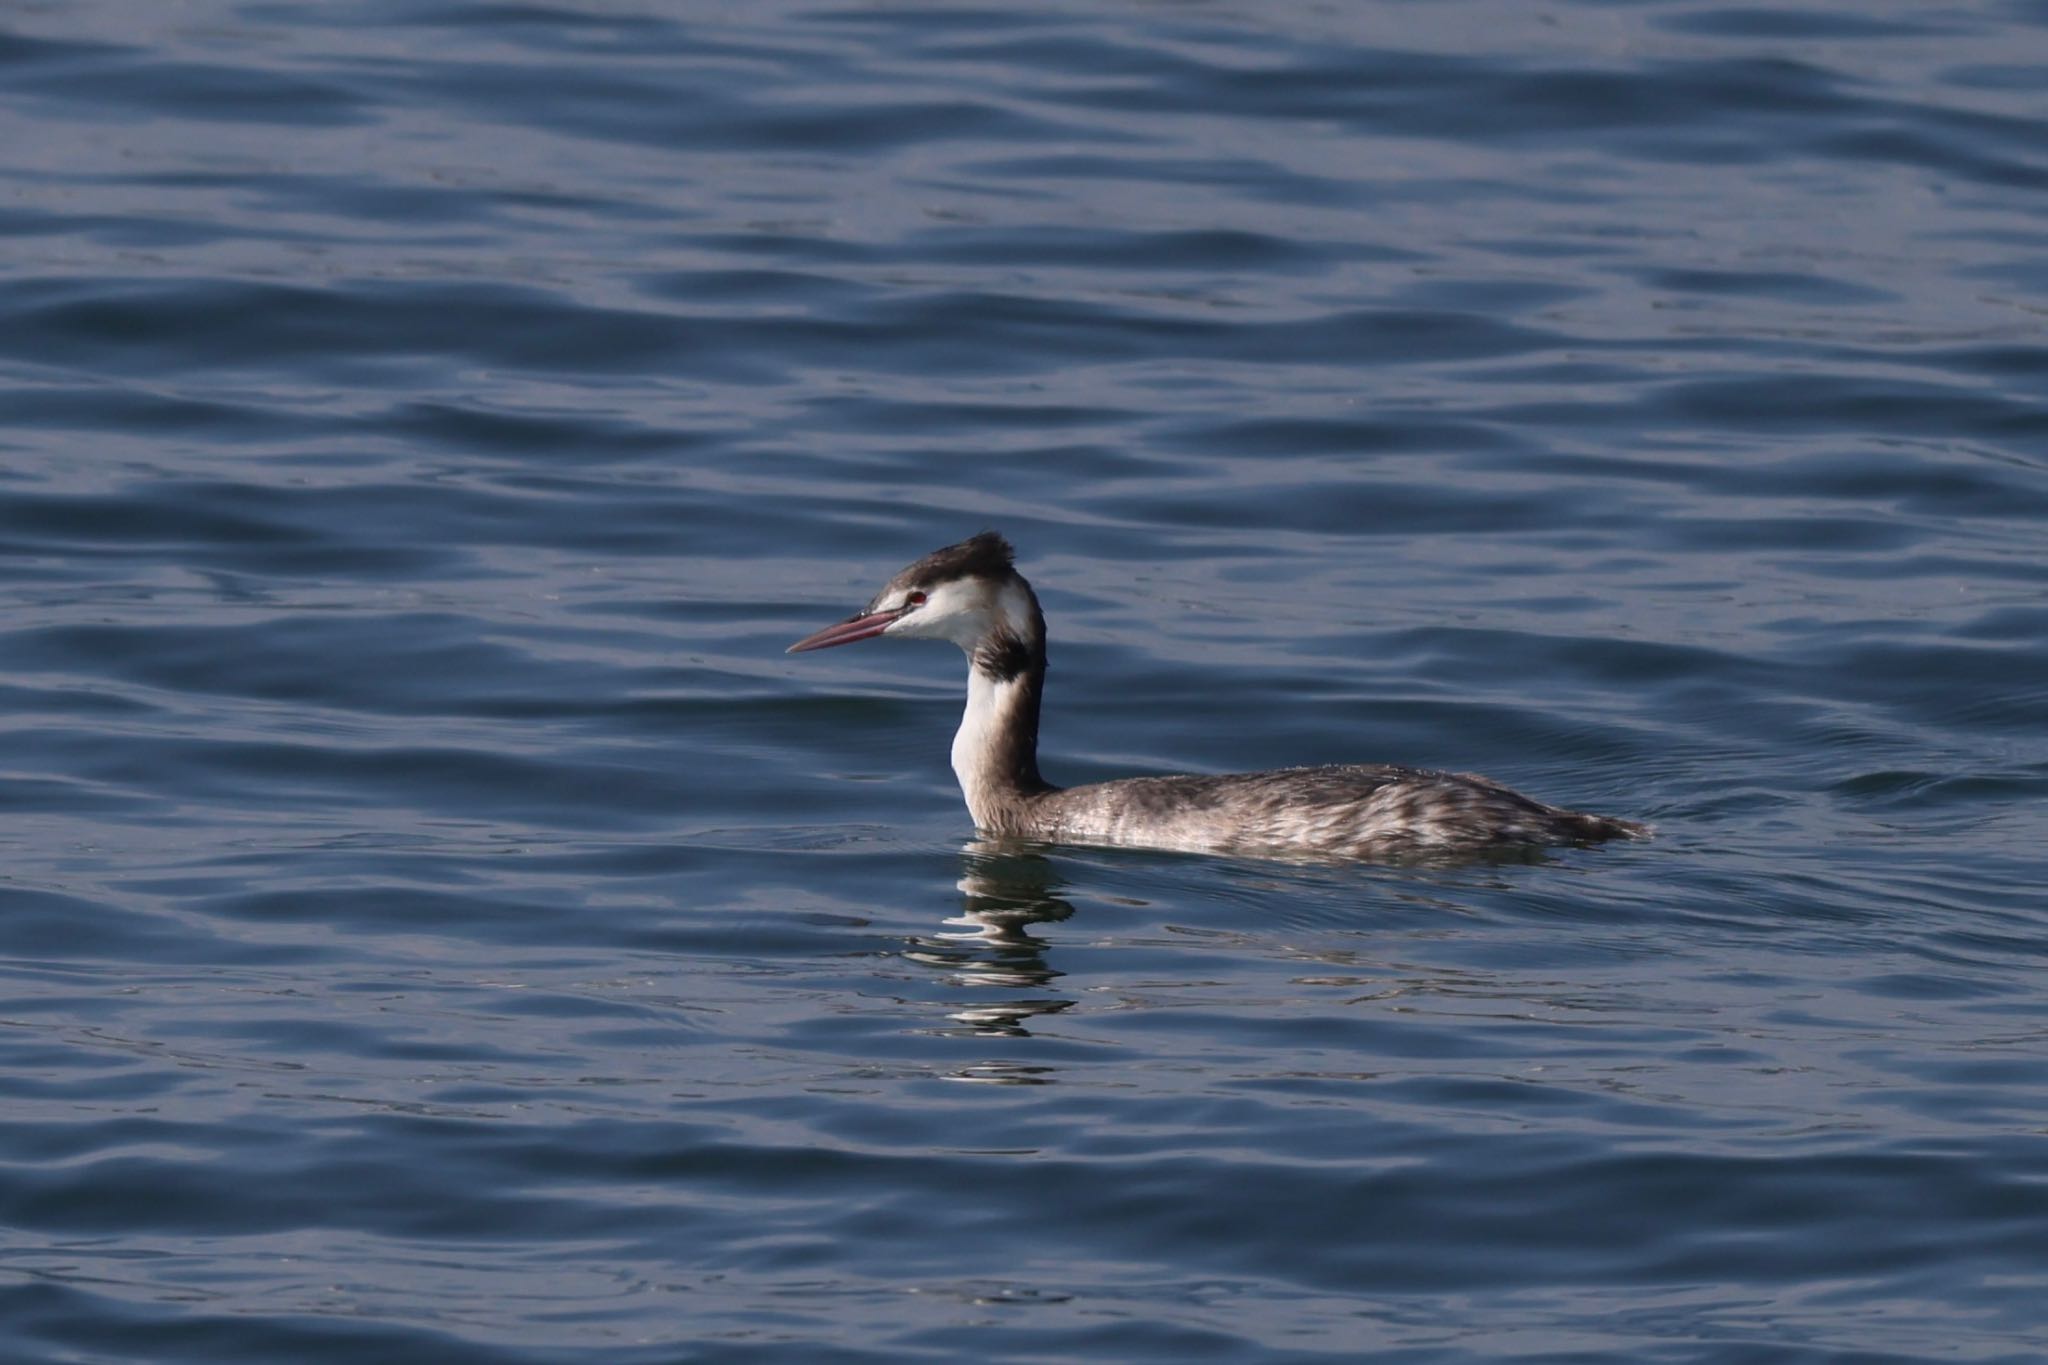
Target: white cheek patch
x: 952, y: 611
x: 1013, y: 609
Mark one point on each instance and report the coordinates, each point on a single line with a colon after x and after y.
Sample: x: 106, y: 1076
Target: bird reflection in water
x: 1005, y: 887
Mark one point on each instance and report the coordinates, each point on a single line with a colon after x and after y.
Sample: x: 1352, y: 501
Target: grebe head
x: 967, y: 593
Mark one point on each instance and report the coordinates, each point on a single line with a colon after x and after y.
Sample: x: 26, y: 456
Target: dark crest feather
x: 987, y: 555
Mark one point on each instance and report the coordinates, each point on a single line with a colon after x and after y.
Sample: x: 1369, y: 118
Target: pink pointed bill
x: 865, y: 626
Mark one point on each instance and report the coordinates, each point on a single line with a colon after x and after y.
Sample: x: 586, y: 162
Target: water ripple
x: 440, y: 924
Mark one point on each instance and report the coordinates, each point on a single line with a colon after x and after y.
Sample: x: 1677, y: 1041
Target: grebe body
x: 972, y: 595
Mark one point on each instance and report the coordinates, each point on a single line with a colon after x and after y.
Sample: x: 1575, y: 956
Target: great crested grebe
x: 971, y: 594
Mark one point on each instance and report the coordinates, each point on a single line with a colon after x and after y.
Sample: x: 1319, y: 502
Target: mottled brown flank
x: 1345, y: 810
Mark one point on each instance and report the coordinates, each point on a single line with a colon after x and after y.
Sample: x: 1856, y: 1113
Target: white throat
x: 990, y: 717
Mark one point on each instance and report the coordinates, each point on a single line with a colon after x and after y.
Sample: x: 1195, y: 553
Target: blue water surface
x: 439, y: 924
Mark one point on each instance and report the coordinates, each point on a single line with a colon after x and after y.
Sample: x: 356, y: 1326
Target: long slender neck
x: 995, y: 751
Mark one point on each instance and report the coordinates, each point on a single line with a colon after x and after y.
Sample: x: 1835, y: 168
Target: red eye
x: 915, y: 599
